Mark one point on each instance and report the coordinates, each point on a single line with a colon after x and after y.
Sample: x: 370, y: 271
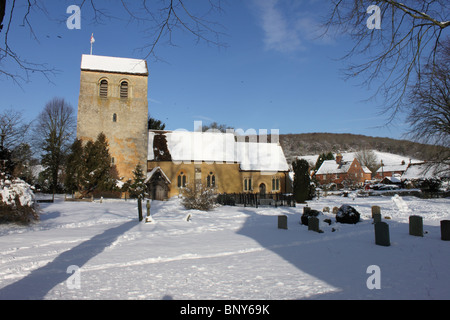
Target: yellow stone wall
x: 128, y: 136
x: 228, y: 177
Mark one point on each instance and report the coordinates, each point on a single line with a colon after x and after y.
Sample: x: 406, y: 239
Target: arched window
x: 276, y: 184
x: 211, y: 180
x: 103, y: 92
x: 181, y: 180
x: 124, y: 90
x: 248, y: 184
x: 114, y: 117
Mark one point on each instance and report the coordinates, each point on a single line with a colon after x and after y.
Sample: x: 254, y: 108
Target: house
x: 342, y: 173
x: 422, y: 171
x: 392, y: 170
x: 217, y: 160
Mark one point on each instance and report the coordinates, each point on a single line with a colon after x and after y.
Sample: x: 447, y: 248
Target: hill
x: 303, y: 144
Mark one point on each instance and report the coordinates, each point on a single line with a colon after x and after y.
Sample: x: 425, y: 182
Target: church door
x: 262, y: 189
x: 159, y: 193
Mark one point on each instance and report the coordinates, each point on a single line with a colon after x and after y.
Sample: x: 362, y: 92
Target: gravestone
x: 376, y: 217
x: 326, y: 209
x: 306, y: 215
x: 382, y: 234
x: 148, y: 218
x: 445, y: 230
x: 313, y: 224
x: 306, y: 209
x: 148, y: 208
x: 335, y: 210
x: 416, y: 226
x: 376, y: 209
x: 282, y: 222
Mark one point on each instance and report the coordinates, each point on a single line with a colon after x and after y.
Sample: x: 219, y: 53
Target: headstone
x: 326, y: 209
x: 313, y: 224
x: 376, y: 209
x: 148, y: 208
x: 376, y: 217
x: 382, y: 234
x: 335, y: 210
x: 282, y: 222
x: 445, y: 230
x: 306, y: 209
x: 416, y: 226
x: 148, y: 218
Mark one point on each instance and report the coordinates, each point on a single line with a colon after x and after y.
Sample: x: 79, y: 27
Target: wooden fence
x: 256, y: 199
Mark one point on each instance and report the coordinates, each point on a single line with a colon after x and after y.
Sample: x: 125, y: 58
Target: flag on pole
x: 92, y: 41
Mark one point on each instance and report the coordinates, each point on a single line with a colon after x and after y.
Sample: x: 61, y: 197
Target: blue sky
x: 273, y: 73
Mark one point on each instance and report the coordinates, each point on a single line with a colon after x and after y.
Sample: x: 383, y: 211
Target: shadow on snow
x: 341, y: 258
x: 40, y: 281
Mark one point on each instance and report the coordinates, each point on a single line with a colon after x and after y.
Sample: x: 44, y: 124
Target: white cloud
x: 279, y: 35
x: 288, y: 26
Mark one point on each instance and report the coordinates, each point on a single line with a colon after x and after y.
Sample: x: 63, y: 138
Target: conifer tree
x: 97, y: 175
x: 302, y: 181
x: 137, y: 188
x: 75, y: 167
x: 322, y: 157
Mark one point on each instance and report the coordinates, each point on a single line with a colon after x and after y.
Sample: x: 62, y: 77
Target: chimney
x: 338, y: 158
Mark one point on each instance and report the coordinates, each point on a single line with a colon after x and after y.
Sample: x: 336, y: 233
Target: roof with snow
x: 389, y: 159
x: 393, y: 168
x: 151, y: 173
x: 113, y: 64
x: 420, y: 171
x: 331, y: 167
x: 179, y: 146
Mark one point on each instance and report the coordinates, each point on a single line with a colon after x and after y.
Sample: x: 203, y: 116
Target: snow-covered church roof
x: 179, y: 146
x: 113, y: 64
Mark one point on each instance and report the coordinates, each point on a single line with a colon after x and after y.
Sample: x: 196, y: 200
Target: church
x: 113, y: 100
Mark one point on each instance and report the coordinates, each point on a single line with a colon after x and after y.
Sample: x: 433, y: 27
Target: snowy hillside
x: 100, y: 251
x: 389, y: 159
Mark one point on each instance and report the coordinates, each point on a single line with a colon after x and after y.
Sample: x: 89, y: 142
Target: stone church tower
x: 113, y: 100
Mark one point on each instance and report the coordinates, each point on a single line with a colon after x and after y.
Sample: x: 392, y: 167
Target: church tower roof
x: 113, y: 64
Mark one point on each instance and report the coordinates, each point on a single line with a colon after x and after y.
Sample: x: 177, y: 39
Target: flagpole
x: 92, y: 41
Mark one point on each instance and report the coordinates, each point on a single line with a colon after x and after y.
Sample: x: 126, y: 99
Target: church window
x: 248, y: 184
x: 211, y: 180
x: 114, y: 117
x: 276, y: 184
x: 124, y: 90
x: 103, y: 92
x: 181, y: 180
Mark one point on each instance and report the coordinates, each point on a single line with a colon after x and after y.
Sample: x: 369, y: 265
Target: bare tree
x: 429, y: 118
x: 54, y: 128
x: 410, y: 36
x: 430, y: 100
x: 13, y: 128
x: 160, y: 18
x: 368, y: 158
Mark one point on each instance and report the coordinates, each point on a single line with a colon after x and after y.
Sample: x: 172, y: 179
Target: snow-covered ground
x: 100, y: 251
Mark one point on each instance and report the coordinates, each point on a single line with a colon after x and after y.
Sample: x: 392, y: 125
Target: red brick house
x: 342, y: 173
x: 391, y: 170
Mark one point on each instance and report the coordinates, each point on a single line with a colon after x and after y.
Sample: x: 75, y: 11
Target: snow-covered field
x: 100, y: 251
